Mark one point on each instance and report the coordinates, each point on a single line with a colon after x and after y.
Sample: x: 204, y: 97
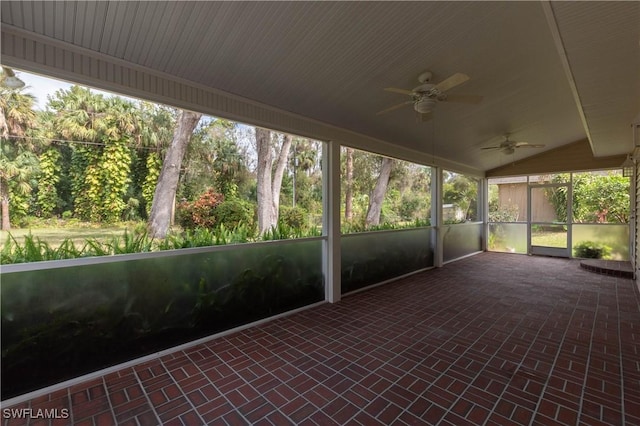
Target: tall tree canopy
x: 101, y: 132
x: 18, y: 162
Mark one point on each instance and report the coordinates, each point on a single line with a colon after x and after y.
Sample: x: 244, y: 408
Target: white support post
x: 436, y: 217
x: 331, y: 220
x: 483, y: 208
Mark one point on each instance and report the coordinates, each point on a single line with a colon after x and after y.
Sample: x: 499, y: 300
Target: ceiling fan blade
x: 465, y: 99
x: 528, y: 145
x: 451, y: 82
x: 394, y: 107
x: 401, y: 91
x: 492, y: 147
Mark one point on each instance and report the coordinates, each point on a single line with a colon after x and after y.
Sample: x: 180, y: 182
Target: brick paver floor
x: 494, y: 339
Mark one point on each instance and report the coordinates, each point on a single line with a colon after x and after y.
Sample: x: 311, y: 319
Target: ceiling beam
x: 555, y: 33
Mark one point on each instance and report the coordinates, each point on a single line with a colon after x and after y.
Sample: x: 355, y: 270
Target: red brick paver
x: 494, y: 339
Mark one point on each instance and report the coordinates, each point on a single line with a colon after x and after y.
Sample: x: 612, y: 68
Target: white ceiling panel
x: 330, y: 61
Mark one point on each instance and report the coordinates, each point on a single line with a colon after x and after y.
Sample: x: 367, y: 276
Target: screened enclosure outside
x: 461, y: 240
x: 115, y: 189
x: 598, y: 226
x: 65, y: 319
x: 462, y: 228
x: 380, y: 192
x: 601, y: 208
x: 460, y: 198
x: 507, y: 214
x: 385, y: 216
x: 372, y: 257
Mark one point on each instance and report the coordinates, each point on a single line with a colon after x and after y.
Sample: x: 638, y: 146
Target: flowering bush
x: 200, y: 213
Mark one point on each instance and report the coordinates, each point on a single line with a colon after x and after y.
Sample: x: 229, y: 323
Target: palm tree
x: 100, y: 163
x: 18, y: 163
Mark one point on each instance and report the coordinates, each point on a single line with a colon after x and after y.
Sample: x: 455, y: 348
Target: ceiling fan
x: 425, y: 96
x: 508, y: 146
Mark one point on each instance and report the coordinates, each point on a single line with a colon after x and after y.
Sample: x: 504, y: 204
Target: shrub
x: 591, y: 250
x: 233, y: 212
x: 201, y: 213
x: 293, y: 217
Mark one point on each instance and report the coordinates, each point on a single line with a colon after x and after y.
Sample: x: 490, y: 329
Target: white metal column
x: 483, y: 210
x: 436, y: 217
x: 331, y: 220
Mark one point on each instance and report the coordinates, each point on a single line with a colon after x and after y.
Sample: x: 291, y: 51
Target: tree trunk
x: 281, y: 164
x: 377, y: 197
x: 263, y: 172
x: 348, y: 193
x: 4, y: 200
x: 269, y: 185
x: 162, y: 206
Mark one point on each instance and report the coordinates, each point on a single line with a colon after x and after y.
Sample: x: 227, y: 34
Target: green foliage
x: 35, y: 250
x: 153, y: 165
x: 100, y: 169
x: 294, y: 217
x: 591, y: 250
x: 282, y: 231
x: 130, y: 243
x: 504, y: 214
x: 130, y: 212
x: 557, y: 196
x: 204, y: 237
x: 601, y: 198
x: 232, y: 212
x: 413, y: 206
x: 18, y: 162
x: 352, y: 228
x: 462, y: 192
x: 50, y: 169
x: 114, y: 178
x: 597, y: 197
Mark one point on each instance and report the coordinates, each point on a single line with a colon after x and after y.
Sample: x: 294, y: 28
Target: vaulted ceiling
x: 550, y: 73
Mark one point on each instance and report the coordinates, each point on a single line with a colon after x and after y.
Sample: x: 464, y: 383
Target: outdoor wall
x: 516, y: 194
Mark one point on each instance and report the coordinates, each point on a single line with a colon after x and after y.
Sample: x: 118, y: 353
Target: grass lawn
x: 543, y: 239
x: 549, y: 239
x: 54, y: 236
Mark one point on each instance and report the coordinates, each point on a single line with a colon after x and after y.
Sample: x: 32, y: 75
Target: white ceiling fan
x: 425, y: 96
x: 508, y: 146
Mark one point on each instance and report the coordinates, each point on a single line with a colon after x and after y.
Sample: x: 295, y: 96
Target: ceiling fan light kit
x: 425, y: 96
x: 508, y: 146
x: 424, y: 105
